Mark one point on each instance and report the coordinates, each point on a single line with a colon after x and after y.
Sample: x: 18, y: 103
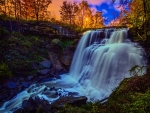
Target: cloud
x: 96, y: 2
x: 117, y: 6
x: 104, y: 11
x: 105, y: 6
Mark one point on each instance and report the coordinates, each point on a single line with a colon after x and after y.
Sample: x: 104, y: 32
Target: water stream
x: 102, y: 59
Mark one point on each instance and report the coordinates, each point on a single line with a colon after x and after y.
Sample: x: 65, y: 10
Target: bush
x: 56, y: 41
x: 90, y: 107
x: 3, y: 32
x: 4, y: 70
x: 65, y: 44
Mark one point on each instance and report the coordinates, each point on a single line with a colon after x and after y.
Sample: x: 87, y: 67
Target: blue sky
x: 108, y: 9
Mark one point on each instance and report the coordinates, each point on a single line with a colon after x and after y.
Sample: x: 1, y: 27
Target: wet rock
x: 55, y: 61
x: 73, y: 93
x: 4, y: 94
x: 25, y: 84
x: 11, y: 84
x: 67, y: 56
x: 20, y: 110
x: 21, y: 79
x: 25, y: 104
x: 77, y: 101
x: 45, y: 106
x: 46, y: 79
x: 102, y: 35
x: 46, y: 63
x: 30, y: 77
x: 34, y: 65
x: 31, y: 105
x: 44, y: 71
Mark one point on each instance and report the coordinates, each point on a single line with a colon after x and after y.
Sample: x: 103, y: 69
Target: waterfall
x: 102, y: 59
x: 100, y: 63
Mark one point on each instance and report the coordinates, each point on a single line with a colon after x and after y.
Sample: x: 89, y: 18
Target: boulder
x: 77, y: 101
x: 25, y: 84
x: 31, y: 105
x: 67, y: 56
x: 44, y: 71
x: 25, y: 104
x: 30, y: 77
x: 46, y: 63
x: 55, y: 61
x: 11, y: 84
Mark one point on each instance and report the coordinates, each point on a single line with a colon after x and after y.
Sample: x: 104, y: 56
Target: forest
x: 36, y: 47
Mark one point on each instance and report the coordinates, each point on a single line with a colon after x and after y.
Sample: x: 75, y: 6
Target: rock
x: 25, y: 104
x: 44, y: 71
x: 102, y: 35
x: 31, y: 105
x: 11, y: 84
x: 77, y: 101
x: 4, y: 94
x: 44, y: 104
x: 66, y: 57
x: 46, y: 79
x: 30, y: 77
x: 35, y: 66
x: 46, y: 63
x: 25, y: 84
x: 55, y: 61
x: 20, y: 110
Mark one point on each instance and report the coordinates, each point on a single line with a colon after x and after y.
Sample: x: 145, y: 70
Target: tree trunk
x: 37, y: 16
x: 145, y: 17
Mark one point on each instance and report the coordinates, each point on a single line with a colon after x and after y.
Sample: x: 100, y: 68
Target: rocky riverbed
x: 57, y: 64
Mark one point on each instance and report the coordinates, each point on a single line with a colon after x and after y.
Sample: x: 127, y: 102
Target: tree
x: 68, y: 11
x: 138, y: 16
x: 84, y: 13
x: 39, y: 6
x: 98, y: 20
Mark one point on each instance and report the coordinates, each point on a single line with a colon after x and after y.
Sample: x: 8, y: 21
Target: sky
x: 108, y: 9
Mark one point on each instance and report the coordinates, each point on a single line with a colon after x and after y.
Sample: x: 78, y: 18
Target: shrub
x: 65, y: 44
x: 56, y: 41
x: 90, y: 107
x: 4, y: 70
x: 3, y: 32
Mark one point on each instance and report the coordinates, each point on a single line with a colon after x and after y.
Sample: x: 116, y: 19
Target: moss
x: 133, y: 95
x: 19, y: 52
x: 88, y: 108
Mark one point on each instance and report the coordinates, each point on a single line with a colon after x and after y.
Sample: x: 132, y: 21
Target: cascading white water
x: 100, y: 65
x: 102, y: 59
